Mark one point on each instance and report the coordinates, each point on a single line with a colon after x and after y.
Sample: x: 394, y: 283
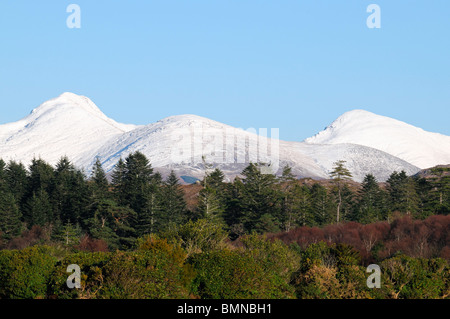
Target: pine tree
x: 211, y: 198
x: 259, y: 198
x: 2, y: 172
x: 38, y: 209
x: 302, y: 206
x: 287, y: 176
x: 210, y: 205
x: 234, y: 208
x: 118, y: 182
x: 173, y: 202
x: 402, y: 193
x: 151, y: 220
x: 113, y: 223
x: 339, y: 174
x: 99, y: 181
x: 215, y: 179
x: 41, y: 176
x: 321, y: 205
x: 370, y: 206
x: 68, y: 234
x: 131, y: 181
x: 10, y: 224
x: 70, y: 193
x: 288, y: 193
x: 16, y: 177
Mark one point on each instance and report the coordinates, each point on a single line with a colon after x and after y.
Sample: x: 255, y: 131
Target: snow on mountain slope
x: 68, y: 125
x: 180, y: 142
x: 74, y: 126
x: 412, y: 144
x: 360, y: 160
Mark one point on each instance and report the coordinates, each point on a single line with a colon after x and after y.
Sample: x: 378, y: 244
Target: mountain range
x: 73, y: 126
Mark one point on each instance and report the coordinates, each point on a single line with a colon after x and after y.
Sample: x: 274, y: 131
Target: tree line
x: 63, y: 205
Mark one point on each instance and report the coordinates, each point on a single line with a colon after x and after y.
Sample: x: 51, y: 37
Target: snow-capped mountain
x: 70, y: 125
x: 180, y: 142
x: 412, y: 144
x: 74, y: 126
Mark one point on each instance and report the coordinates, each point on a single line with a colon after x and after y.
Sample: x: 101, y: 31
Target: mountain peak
x: 359, y: 116
x: 412, y: 144
x: 69, y: 100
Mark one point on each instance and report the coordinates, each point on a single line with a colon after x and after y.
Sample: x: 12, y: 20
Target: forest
x: 136, y: 234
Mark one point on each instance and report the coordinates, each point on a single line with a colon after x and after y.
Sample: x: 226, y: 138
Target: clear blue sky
x: 295, y: 65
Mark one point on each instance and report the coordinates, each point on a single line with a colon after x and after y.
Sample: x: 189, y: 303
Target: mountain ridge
x: 413, y: 144
x: 74, y: 126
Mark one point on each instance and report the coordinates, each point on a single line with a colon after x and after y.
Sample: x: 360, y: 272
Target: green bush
x: 416, y: 278
x: 156, y: 270
x: 198, y: 236
x: 24, y: 274
x: 273, y: 255
x: 91, y: 266
x: 231, y: 274
x: 332, y: 272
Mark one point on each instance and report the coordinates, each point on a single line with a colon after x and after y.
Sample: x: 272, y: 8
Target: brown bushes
x: 427, y: 238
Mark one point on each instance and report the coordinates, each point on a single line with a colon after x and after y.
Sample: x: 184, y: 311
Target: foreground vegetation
x: 201, y: 264
x: 261, y: 236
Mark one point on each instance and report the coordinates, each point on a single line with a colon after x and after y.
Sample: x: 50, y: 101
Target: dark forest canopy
x: 64, y: 205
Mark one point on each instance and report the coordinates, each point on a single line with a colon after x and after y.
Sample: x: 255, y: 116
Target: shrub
x: 156, y: 270
x: 330, y: 271
x: 90, y: 264
x: 416, y: 278
x: 273, y: 255
x: 198, y: 236
x: 24, y: 274
x: 227, y: 274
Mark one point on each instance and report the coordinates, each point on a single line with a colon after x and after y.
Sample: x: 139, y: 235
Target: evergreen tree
x: 292, y: 200
x: 70, y: 195
x: 259, y: 198
x: 173, y: 203
x: 234, y: 210
x: 152, y: 220
x: 114, y: 224
x: 41, y: 176
x: 211, y: 198
x: 339, y: 174
x: 303, y: 215
x: 10, y: 224
x: 370, y: 206
x: 38, y: 209
x: 132, y: 181
x: 210, y: 205
x: 402, y: 193
x: 322, y: 206
x: 68, y: 234
x: 99, y: 181
x: 436, y: 192
x: 16, y: 178
x: 118, y: 182
x: 2, y: 170
x: 215, y: 180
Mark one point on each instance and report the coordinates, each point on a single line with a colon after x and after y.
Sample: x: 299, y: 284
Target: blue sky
x: 293, y: 65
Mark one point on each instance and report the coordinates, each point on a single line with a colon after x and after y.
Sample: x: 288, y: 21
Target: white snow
x: 74, y: 126
x: 412, y: 144
x: 68, y: 125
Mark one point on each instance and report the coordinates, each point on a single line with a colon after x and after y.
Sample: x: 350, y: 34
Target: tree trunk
x: 339, y: 206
